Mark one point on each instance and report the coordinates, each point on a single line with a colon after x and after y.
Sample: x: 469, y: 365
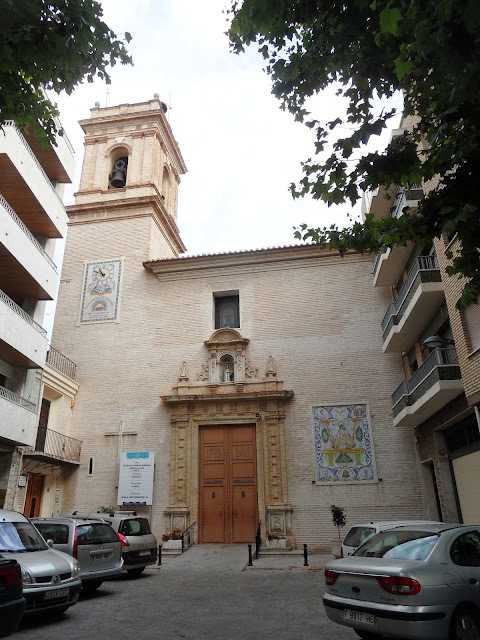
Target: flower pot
x: 279, y: 543
x: 336, y: 547
x: 172, y: 544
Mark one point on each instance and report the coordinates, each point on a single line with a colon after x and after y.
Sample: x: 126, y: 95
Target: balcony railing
x: 422, y: 263
x: 18, y: 310
x: 11, y: 123
x: 26, y: 231
x: 377, y: 256
x: 16, y: 399
x: 61, y: 363
x: 438, y: 357
x: 410, y: 192
x: 56, y: 445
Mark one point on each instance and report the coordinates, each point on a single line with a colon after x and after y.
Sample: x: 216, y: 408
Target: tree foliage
x: 54, y: 45
x: 428, y: 49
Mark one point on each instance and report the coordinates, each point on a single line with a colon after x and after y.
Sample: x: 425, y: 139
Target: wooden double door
x: 228, y: 484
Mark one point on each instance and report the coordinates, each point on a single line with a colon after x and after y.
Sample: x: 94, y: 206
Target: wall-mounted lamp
x: 435, y: 342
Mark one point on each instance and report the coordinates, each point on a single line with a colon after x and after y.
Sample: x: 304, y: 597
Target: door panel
x: 33, y: 498
x: 228, y: 484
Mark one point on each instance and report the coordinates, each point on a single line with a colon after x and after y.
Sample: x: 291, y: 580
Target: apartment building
x: 32, y: 219
x: 438, y: 346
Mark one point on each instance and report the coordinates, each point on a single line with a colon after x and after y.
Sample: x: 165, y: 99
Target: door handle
x: 221, y: 514
x: 235, y: 514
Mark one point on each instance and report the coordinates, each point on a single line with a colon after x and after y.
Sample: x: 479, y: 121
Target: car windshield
x: 412, y: 545
x: 20, y: 536
x: 134, y: 527
x: 357, y: 535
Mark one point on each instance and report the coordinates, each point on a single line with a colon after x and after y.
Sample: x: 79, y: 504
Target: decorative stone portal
x: 245, y: 399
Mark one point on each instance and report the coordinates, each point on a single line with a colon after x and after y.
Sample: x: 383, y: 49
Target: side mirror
x: 50, y: 543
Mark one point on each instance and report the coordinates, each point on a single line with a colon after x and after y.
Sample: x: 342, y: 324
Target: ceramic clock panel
x: 102, y: 281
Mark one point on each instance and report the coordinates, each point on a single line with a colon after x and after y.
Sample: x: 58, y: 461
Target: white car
x: 358, y: 533
x: 51, y: 579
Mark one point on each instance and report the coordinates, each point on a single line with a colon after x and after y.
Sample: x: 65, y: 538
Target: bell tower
x: 131, y: 171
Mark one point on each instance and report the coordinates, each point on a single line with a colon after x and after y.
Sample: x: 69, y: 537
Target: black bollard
x: 159, y: 555
x: 305, y: 556
x: 250, y: 563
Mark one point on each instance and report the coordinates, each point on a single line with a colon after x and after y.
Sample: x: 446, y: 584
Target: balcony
x: 26, y: 270
x: 420, y: 295
x: 27, y: 188
x: 389, y: 264
x: 23, y: 342
x: 61, y: 363
x: 58, y: 161
x: 19, y: 418
x: 407, y: 196
x: 436, y: 383
x: 52, y: 445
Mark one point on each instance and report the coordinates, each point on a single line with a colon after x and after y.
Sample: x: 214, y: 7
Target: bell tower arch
x: 131, y: 158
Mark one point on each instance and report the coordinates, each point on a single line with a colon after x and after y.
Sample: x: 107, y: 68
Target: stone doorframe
x: 264, y: 407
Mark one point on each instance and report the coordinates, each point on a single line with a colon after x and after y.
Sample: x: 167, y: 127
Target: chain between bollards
x: 159, y: 555
x: 250, y: 563
x: 305, y: 556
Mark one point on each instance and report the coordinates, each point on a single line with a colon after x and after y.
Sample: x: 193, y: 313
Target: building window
x: 472, y: 320
x: 227, y: 311
x: 463, y: 436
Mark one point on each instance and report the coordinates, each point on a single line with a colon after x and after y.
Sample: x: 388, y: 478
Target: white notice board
x: 135, y: 483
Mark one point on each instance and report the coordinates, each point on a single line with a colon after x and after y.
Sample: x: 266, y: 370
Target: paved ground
x: 208, y: 592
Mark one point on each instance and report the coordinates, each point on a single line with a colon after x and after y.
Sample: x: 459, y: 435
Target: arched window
x: 166, y: 186
x: 118, y: 165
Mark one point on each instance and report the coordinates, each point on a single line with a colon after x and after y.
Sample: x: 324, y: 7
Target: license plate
x: 144, y: 553
x: 358, y: 616
x: 59, y: 593
x: 101, y: 556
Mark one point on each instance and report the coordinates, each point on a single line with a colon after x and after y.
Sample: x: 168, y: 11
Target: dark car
x: 12, y: 602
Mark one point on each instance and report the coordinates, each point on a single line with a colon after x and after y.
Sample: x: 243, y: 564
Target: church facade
x: 255, y: 380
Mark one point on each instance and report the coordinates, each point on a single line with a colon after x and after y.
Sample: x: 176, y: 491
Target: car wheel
x: 135, y: 572
x: 368, y: 635
x: 465, y: 625
x: 91, y: 586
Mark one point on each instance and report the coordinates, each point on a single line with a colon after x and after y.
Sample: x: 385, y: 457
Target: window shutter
x: 472, y: 318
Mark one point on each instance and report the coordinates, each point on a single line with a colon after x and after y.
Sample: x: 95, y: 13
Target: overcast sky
x: 241, y: 150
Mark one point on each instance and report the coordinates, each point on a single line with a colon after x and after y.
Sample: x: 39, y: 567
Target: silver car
x: 411, y: 582
x: 92, y: 542
x: 358, y: 533
x: 139, y: 545
x: 51, y: 579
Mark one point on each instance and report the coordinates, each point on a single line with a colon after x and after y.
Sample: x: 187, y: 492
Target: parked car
x: 358, y: 533
x: 12, y: 602
x: 420, y: 581
x: 91, y: 541
x: 51, y: 579
x: 139, y: 545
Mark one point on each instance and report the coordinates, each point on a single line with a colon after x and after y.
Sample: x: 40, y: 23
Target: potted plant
x: 275, y: 541
x: 172, y: 540
x: 339, y: 519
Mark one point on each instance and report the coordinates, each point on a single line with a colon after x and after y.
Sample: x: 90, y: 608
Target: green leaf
x: 389, y: 19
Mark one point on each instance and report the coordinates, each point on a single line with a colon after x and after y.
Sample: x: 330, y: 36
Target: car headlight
x: 76, y: 568
x: 27, y: 577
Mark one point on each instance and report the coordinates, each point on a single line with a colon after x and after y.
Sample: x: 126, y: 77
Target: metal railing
x: 11, y: 123
x: 59, y: 126
x: 58, y: 446
x: 23, y: 314
x: 401, y: 198
x: 61, y: 363
x: 439, y: 356
x: 188, y: 537
x: 16, y: 399
x: 26, y: 231
x: 377, y: 256
x: 422, y: 263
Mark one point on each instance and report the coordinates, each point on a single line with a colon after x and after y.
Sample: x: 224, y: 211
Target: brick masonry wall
x: 319, y: 319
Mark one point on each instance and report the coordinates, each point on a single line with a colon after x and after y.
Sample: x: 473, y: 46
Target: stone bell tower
x: 131, y: 170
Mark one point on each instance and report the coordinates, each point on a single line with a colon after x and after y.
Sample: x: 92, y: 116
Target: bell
x: 119, y: 174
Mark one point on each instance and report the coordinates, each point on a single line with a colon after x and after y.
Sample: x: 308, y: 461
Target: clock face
x: 101, y: 291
